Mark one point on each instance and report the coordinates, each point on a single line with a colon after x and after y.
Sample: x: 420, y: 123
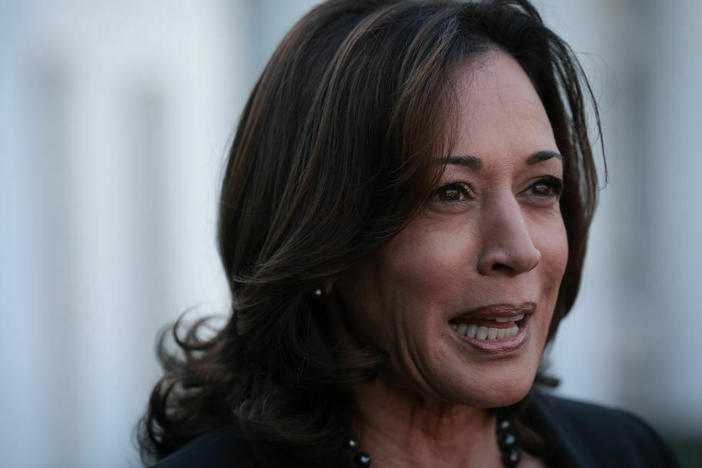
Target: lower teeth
x: 484, y: 333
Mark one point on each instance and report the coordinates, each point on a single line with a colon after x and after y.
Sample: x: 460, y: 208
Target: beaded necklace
x: 506, y: 440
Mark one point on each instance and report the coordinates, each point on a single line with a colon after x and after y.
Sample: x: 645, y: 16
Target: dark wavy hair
x: 331, y: 158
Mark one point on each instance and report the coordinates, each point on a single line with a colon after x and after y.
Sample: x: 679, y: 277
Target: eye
x: 547, y: 187
x: 454, y: 192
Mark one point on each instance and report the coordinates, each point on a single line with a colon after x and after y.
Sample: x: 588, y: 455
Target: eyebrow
x: 543, y: 156
x: 474, y: 162
x: 467, y: 161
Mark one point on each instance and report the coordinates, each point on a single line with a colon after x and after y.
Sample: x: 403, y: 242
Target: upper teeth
x: 488, y: 333
x: 484, y: 333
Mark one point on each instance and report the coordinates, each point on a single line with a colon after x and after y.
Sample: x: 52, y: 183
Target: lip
x: 500, y: 310
x: 501, y: 347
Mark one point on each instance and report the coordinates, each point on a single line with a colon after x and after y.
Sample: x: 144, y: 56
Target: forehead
x: 499, y: 111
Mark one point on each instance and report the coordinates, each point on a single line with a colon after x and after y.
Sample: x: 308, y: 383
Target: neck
x: 398, y: 429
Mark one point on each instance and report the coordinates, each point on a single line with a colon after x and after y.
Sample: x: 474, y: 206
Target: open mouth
x: 499, y: 323
x: 488, y: 328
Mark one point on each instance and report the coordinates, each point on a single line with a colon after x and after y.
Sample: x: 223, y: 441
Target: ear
x: 328, y: 285
x: 324, y: 288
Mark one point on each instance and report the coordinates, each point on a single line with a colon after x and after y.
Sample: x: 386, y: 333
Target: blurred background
x: 114, y: 123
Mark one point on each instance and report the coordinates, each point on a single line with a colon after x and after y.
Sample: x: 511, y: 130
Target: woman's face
x: 462, y: 298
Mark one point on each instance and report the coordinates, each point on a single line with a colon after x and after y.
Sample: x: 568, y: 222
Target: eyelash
x: 464, y: 192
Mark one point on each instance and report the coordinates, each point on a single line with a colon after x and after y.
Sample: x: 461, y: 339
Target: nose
x: 507, y: 246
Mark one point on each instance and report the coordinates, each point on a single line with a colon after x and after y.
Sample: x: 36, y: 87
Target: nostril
x: 501, y: 267
x: 508, y: 259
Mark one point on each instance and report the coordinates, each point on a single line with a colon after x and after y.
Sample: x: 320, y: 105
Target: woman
x: 403, y: 223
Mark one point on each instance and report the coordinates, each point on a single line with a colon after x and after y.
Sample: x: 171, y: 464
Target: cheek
x: 426, y: 263
x: 395, y: 296
x: 553, y: 245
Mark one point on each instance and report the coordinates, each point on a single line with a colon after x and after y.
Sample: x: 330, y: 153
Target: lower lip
x: 502, y: 347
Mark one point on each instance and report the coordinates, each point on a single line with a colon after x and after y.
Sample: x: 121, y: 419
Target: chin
x: 497, y: 397
x: 506, y: 396
x: 493, y: 388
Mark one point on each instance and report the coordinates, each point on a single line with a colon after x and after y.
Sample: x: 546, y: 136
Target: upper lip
x: 499, y: 311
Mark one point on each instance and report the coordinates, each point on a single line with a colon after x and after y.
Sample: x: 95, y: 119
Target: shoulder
x: 232, y: 447
x: 223, y: 447
x: 598, y: 435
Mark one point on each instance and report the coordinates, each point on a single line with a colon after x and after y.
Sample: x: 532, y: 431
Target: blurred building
x: 114, y: 124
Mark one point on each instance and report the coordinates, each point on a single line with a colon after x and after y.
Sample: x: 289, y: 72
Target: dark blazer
x: 582, y: 435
